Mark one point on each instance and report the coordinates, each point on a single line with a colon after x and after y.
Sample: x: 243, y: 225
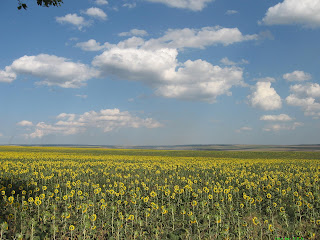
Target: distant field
x: 97, y: 193
x: 223, y: 147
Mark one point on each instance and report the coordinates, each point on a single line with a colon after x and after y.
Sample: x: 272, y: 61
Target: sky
x: 160, y: 72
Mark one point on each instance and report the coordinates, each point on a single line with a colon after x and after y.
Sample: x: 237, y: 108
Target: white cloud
x: 1, y: 135
x: 280, y: 118
x: 73, y: 19
x: 53, y: 70
x: 306, y: 13
x: 96, y: 13
x: 81, y: 96
x: 159, y: 69
x: 176, y: 38
x: 101, y: 2
x: 308, y: 89
x: 231, y: 12
x: 106, y: 119
x: 90, y: 45
x: 265, y: 97
x: 7, y: 75
x: 133, y: 32
x: 194, y: 5
x: 265, y: 79
x: 307, y: 97
x: 129, y: 5
x: 280, y: 127
x: 227, y: 61
x: 297, y: 76
x: 25, y: 123
x: 244, y: 129
x: 93, y: 45
x: 195, y: 38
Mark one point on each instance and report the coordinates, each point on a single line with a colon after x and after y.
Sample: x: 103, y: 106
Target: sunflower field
x: 86, y: 193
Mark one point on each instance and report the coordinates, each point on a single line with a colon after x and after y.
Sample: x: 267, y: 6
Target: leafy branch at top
x: 45, y: 3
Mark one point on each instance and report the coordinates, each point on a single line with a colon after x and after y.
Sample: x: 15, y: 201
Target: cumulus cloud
x: 160, y: 69
x: 279, y: 127
x: 93, y: 45
x: 308, y: 89
x: 106, y: 119
x: 133, y: 32
x: 90, y: 45
x: 306, y: 13
x: 199, y: 38
x: 96, y: 13
x: 25, y: 123
x: 265, y: 79
x: 297, y: 76
x: 265, y: 97
x: 178, y: 39
x: 53, y: 70
x: 73, y: 19
x: 227, y: 61
x: 307, y: 97
x: 7, y: 75
x: 101, y: 2
x: 244, y: 129
x: 280, y: 118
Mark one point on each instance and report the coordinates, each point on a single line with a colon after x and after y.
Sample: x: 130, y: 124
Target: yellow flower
x: 194, y: 203
x: 44, y: 188
x: 269, y: 195
x: 282, y: 209
x: 93, y: 217
x: 241, y: 205
x: 210, y: 196
x: 79, y: 193
x: 131, y: 217
x: 153, y: 194
x: 270, y: 227
x: 255, y: 221
x: 164, y: 211
x: 37, y: 202
x: 299, y: 203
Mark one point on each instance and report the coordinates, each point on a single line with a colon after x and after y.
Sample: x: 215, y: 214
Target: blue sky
x: 160, y: 72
